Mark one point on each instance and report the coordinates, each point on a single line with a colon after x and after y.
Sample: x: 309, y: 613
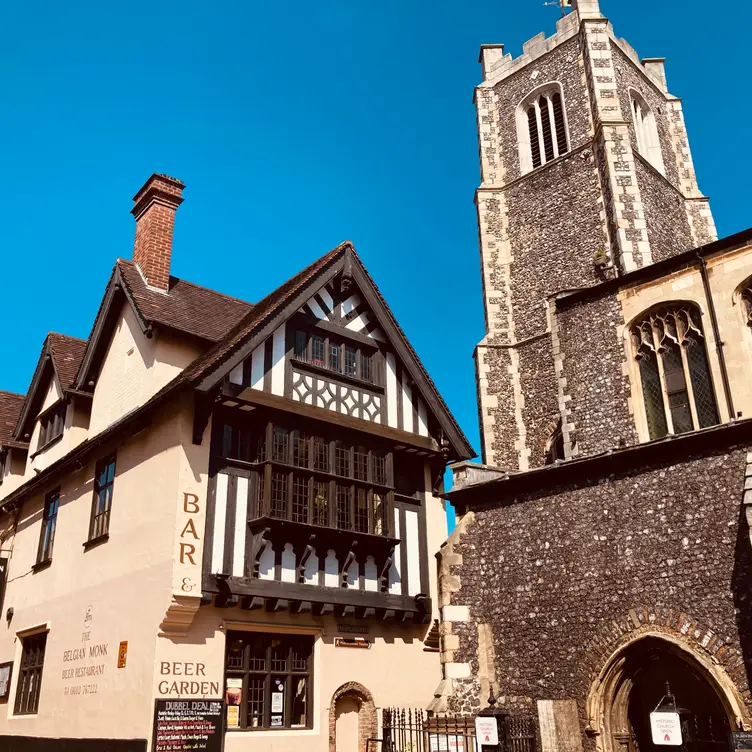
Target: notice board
x: 182, y: 725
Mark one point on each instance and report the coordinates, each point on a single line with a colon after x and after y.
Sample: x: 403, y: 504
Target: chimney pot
x: 154, y: 209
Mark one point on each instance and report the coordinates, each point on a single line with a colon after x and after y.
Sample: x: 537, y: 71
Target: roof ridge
x: 12, y: 394
x: 68, y: 336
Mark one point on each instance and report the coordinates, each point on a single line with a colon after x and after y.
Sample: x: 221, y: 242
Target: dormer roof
x: 11, y: 405
x: 60, y: 359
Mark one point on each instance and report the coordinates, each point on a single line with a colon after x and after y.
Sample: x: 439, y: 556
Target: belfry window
x: 646, y: 132
x: 542, y: 129
x: 677, y: 387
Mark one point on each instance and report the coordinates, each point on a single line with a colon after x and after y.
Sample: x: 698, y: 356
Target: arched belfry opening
x: 637, y: 681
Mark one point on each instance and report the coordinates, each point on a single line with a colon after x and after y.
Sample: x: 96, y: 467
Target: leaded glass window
x: 677, y: 386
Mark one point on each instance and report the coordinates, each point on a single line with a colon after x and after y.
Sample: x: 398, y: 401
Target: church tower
x: 586, y: 174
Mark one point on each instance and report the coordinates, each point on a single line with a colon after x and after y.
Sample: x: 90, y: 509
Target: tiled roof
x: 261, y: 314
x: 187, y: 308
x: 10, y: 409
x: 67, y: 353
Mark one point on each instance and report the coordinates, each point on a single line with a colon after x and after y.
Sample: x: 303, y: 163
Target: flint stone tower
x: 586, y: 173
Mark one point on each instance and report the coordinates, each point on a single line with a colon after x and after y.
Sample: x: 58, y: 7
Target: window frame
x: 36, y: 669
x: 645, y: 125
x: 245, y: 673
x: 102, y: 465
x: 49, y: 520
x: 271, y: 471
x: 49, y: 421
x: 332, y: 344
x: 532, y: 103
x: 650, y: 352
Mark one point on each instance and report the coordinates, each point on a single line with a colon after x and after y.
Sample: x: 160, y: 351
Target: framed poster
x: 6, y: 672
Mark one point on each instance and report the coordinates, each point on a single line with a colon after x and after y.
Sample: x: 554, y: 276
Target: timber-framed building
x: 215, y: 504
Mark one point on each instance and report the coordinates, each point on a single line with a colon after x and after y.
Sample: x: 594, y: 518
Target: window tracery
x: 677, y: 387
x: 747, y: 300
x: 646, y: 132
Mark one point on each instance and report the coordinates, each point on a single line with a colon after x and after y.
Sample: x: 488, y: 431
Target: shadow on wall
x: 741, y: 585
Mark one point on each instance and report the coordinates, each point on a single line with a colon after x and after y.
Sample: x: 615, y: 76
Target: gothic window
x: 646, y: 132
x: 541, y: 128
x: 677, y: 388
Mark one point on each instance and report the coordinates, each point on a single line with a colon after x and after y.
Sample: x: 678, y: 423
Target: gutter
x: 589, y: 470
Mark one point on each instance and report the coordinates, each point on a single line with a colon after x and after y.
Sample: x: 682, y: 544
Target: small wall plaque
x: 352, y: 642
x: 122, y: 654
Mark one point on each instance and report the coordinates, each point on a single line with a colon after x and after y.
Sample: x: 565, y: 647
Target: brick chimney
x: 154, y: 210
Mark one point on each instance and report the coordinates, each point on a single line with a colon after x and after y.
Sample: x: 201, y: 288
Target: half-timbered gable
x: 327, y: 440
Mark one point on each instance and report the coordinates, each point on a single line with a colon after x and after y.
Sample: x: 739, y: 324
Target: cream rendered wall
x: 74, y: 432
x: 14, y: 472
x: 117, y: 590
x: 134, y: 369
x: 396, y: 653
x: 725, y: 272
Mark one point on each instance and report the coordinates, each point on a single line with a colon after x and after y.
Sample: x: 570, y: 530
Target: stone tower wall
x: 599, y: 210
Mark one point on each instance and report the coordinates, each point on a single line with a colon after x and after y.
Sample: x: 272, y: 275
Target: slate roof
x: 10, y: 409
x: 187, y: 308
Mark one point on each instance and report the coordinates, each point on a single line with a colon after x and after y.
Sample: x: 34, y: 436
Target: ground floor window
x: 30, y: 674
x: 268, y: 681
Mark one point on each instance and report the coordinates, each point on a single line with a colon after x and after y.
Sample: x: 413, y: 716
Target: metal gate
x: 414, y: 731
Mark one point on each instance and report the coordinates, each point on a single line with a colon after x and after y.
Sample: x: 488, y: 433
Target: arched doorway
x: 638, y: 681
x: 352, y: 718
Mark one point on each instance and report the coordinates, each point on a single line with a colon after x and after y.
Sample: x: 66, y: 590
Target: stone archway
x: 633, y: 683
x: 352, y: 715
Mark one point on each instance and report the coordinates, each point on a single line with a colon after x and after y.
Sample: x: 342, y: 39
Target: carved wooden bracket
x: 179, y: 616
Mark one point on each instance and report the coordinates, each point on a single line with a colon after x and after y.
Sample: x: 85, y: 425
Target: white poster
x: 278, y: 702
x: 666, y: 729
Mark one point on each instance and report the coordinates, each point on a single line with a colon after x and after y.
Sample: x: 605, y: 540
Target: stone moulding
x: 179, y: 616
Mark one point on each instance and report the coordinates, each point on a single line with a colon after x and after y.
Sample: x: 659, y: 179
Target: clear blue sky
x: 295, y: 126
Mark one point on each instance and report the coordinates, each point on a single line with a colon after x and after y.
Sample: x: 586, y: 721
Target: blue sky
x: 295, y: 126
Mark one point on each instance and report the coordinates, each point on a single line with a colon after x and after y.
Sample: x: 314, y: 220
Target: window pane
x: 320, y: 454
x: 678, y: 398
x: 702, y: 385
x: 255, y: 702
x: 350, y: 354
x: 278, y: 687
x: 334, y: 363
x: 342, y: 460
x: 360, y: 464
x: 321, y: 504
x: 379, y: 514
x: 279, y: 655
x: 653, y: 396
x: 365, y: 367
x: 361, y: 510
x: 280, y: 444
x: 227, y: 441
x: 299, y: 701
x: 279, y: 495
x: 343, y: 507
x: 300, y: 445
x: 301, y: 340
x: 235, y: 654
x: 317, y: 350
x: 300, y: 498
x: 378, y: 464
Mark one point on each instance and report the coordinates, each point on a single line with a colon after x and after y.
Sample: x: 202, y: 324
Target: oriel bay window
x: 355, y: 361
x: 268, y: 681
x: 313, y: 479
x: 677, y: 387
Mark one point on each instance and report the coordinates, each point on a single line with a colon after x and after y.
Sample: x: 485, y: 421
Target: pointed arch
x: 674, y: 376
x: 646, y: 131
x: 542, y: 132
